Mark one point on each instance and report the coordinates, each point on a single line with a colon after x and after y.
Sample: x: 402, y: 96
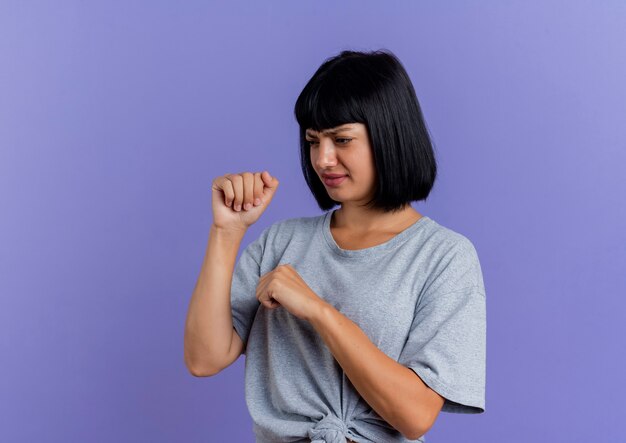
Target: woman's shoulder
x: 293, y: 225
x: 444, y: 238
x: 452, y: 259
x: 288, y: 229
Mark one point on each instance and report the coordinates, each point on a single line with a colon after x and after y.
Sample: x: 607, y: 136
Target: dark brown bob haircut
x: 372, y: 88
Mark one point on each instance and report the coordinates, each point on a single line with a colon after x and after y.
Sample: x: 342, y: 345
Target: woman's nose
x: 326, y: 154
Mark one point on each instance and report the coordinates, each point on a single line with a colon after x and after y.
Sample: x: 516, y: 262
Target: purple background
x: 115, y: 117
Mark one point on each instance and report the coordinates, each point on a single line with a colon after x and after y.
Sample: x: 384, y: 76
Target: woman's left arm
x: 394, y: 391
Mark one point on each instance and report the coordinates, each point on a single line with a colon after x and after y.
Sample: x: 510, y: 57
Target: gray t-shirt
x: 419, y: 297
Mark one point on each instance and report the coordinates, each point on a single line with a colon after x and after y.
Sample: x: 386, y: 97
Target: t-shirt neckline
x: 390, y: 244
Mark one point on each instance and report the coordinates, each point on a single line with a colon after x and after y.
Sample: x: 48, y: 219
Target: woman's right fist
x: 240, y: 199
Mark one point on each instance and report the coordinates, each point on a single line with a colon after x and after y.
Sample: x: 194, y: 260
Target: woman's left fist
x: 284, y: 287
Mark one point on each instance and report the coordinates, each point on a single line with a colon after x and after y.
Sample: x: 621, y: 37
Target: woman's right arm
x: 211, y: 343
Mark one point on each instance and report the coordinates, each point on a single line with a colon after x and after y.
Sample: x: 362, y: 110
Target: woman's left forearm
x: 391, y: 389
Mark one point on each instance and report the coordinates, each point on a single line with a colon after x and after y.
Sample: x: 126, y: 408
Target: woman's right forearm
x: 209, y: 325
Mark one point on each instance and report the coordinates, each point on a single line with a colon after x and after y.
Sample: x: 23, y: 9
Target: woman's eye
x: 341, y: 141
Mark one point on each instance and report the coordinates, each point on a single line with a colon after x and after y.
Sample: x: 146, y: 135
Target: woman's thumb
x: 271, y: 183
x: 268, y: 180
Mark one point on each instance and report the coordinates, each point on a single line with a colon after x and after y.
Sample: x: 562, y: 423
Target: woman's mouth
x: 334, y: 181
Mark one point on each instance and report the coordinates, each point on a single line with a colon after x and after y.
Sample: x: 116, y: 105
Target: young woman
x: 360, y: 324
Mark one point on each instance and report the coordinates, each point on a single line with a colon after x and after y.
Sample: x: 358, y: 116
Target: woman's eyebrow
x: 331, y: 131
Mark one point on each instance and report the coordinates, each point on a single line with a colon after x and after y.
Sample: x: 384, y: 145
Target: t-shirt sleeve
x: 246, y: 275
x: 446, y: 345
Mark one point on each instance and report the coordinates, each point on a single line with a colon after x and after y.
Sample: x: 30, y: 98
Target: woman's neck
x: 362, y: 220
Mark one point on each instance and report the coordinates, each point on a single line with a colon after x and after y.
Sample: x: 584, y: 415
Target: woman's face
x: 344, y: 150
